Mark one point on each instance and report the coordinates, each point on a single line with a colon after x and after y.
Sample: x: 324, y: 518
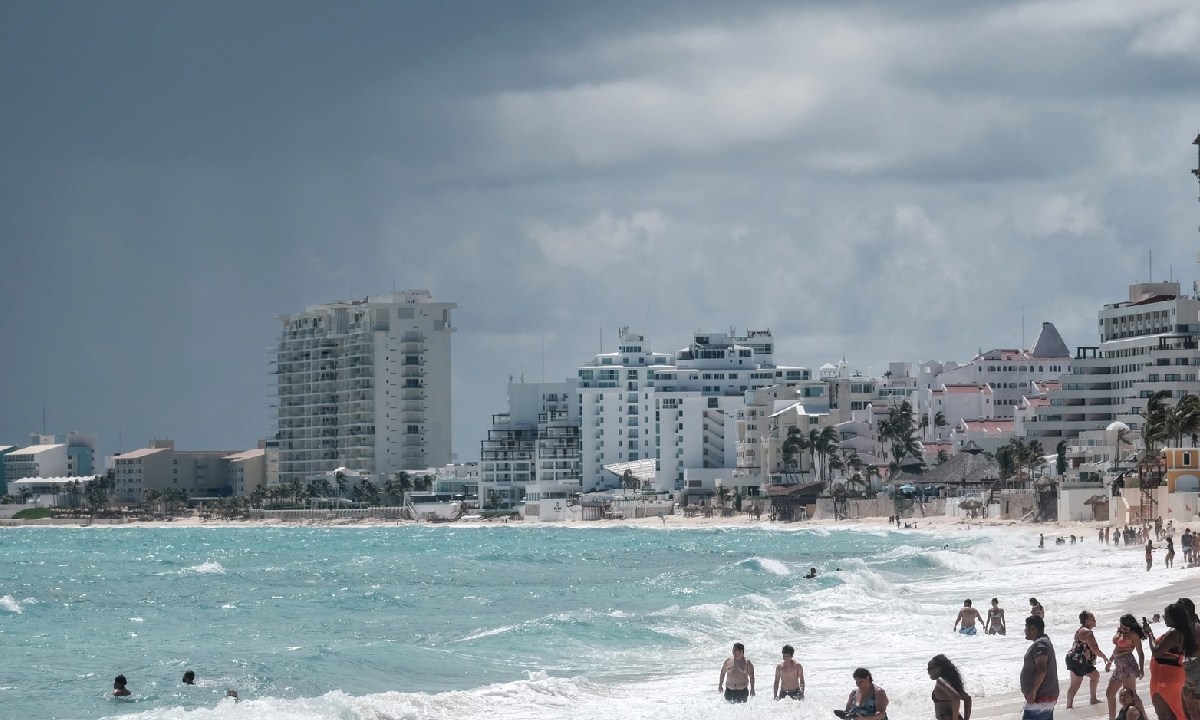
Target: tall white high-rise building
x: 365, y: 385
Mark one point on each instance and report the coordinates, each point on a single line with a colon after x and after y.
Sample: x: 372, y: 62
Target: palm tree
x: 339, y: 477
x: 1060, y: 460
x: 151, y: 498
x: 942, y: 456
x: 1184, y: 418
x: 74, y: 490
x: 629, y: 481
x: 924, y: 427
x: 939, y: 420
x: 828, y: 440
x: 1154, y: 425
x: 793, y: 446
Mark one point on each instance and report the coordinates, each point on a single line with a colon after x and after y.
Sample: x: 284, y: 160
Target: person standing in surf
x: 737, y: 676
x: 950, y: 699
x: 967, y: 616
x: 995, y: 619
x: 789, y: 676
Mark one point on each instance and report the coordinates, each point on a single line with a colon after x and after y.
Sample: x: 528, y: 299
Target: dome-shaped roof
x: 1116, y: 426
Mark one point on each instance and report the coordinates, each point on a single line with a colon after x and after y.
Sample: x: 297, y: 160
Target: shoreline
x: 1079, y: 528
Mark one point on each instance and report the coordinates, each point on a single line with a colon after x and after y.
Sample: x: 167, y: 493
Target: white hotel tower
x: 678, y: 409
x: 364, y: 384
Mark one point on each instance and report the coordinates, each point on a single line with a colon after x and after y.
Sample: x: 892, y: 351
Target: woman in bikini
x: 948, y: 692
x: 867, y: 701
x: 995, y: 619
x: 1081, y: 659
x: 1127, y: 662
x: 1166, y: 663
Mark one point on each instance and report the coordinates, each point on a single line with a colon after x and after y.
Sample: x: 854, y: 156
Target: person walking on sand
x: 1149, y: 554
x: 739, y: 672
x: 995, y: 620
x: 789, y: 677
x: 1169, y: 558
x: 967, y: 616
x: 1128, y: 662
x: 950, y: 699
x: 1036, y: 609
x: 1039, y: 673
x: 1081, y: 659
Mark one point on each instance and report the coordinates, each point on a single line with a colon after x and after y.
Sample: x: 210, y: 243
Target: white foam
x: 771, y: 565
x: 9, y: 603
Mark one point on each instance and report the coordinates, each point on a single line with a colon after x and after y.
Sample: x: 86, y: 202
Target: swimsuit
x: 867, y: 707
x: 737, y: 696
x: 797, y: 694
x: 1166, y: 681
x: 1081, y: 660
x: 968, y: 630
x: 994, y: 616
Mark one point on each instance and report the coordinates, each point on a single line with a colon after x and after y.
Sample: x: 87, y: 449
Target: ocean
x: 521, y: 622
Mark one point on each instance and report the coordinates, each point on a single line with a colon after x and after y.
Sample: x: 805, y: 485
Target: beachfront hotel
x: 679, y: 409
x: 1147, y: 343
x: 365, y: 385
x: 534, y: 444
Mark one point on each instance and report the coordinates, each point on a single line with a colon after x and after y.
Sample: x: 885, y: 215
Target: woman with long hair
x: 1081, y: 659
x: 1166, y: 663
x: 948, y: 691
x: 1127, y: 662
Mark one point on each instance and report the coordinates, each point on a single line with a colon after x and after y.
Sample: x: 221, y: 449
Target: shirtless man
x: 740, y: 673
x: 967, y: 616
x: 789, y: 677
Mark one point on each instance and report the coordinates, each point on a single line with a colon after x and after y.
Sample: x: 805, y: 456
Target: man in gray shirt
x: 1039, y: 674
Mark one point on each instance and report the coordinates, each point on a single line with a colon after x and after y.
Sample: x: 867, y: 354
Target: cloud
x: 1072, y: 214
x: 604, y: 242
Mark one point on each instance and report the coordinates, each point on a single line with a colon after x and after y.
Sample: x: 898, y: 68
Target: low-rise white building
x: 247, y: 471
x: 36, y: 461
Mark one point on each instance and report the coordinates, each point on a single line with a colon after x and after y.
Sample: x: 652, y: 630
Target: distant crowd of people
x: 1174, y: 687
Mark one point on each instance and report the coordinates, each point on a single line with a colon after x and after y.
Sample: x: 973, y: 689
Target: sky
x: 878, y: 181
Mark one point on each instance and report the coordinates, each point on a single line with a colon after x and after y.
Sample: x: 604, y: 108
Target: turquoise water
x: 501, y: 621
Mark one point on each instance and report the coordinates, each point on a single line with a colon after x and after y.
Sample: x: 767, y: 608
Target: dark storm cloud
x: 880, y: 180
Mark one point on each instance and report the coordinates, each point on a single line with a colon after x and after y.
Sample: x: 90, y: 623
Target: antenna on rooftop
x: 1022, y: 328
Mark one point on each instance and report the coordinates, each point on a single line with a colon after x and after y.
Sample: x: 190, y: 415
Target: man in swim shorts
x: 1039, y: 673
x: 967, y: 616
x: 789, y: 677
x: 740, y: 675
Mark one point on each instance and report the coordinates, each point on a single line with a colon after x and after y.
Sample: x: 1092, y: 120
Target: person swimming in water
x: 189, y: 677
x: 119, y: 689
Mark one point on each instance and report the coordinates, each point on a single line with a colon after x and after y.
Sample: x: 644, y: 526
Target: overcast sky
x: 880, y: 180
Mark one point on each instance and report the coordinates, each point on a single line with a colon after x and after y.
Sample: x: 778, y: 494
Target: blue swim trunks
x: 1039, y: 710
x: 968, y: 630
